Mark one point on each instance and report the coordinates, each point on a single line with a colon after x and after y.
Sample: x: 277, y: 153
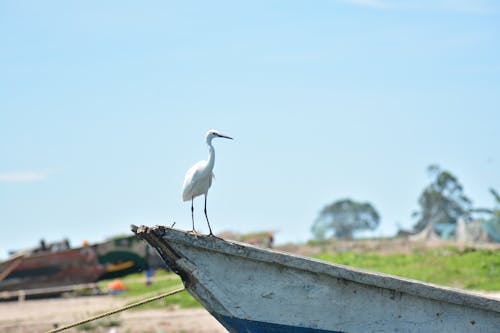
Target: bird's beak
x: 225, y: 136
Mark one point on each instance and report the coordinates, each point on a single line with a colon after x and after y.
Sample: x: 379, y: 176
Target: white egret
x: 198, y: 178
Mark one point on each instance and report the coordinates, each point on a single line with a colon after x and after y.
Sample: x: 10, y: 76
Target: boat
x: 250, y: 289
x: 55, y: 266
x: 46, y: 269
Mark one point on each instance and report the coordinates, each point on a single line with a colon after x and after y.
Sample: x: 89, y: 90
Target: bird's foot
x: 214, y: 236
x: 194, y: 232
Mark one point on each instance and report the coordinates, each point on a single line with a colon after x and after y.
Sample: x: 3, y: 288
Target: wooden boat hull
x: 70, y: 266
x: 256, y: 290
x: 73, y: 266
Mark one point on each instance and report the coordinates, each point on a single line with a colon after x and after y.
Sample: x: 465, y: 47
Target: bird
x: 199, y: 177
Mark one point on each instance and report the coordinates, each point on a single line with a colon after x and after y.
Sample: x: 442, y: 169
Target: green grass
x: 469, y: 269
x: 137, y: 290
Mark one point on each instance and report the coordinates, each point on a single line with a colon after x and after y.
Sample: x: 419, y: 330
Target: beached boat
x: 53, y: 265
x: 249, y: 289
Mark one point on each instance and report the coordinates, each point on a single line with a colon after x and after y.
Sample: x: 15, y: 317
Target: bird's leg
x: 192, y: 213
x: 211, y: 234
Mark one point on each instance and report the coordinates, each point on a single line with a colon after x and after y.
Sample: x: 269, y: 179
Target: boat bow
x: 249, y: 289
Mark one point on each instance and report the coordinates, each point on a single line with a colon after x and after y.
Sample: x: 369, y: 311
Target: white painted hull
x: 255, y: 290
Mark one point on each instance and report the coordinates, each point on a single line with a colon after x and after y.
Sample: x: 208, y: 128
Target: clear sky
x: 105, y: 105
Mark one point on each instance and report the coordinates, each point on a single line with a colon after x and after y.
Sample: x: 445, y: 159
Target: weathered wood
x: 246, y: 287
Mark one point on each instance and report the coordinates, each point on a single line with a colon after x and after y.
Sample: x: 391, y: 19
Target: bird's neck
x: 211, y: 156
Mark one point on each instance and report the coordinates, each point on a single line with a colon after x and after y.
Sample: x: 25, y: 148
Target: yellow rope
x: 109, y: 313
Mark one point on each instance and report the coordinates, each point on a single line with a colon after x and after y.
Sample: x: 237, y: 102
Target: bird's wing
x: 192, y: 176
x: 187, y: 187
x: 211, y: 178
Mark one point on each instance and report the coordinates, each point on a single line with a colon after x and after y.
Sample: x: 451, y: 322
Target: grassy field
x: 447, y: 266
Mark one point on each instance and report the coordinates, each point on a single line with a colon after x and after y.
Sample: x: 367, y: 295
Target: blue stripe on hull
x: 237, y: 325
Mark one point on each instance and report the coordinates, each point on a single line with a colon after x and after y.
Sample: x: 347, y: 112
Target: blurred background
x: 366, y: 133
x: 104, y: 107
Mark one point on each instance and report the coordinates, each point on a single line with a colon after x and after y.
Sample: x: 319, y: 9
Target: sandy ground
x: 41, y: 315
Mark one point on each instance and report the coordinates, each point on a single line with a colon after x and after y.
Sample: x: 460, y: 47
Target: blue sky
x: 104, y: 106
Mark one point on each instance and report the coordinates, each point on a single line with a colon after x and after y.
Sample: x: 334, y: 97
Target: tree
x: 496, y: 209
x: 490, y: 212
x: 443, y: 200
x: 342, y: 218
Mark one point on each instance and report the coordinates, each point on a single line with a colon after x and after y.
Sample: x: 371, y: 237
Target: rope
x: 112, y: 312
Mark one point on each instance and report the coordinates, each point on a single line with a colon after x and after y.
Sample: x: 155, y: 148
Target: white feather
x: 197, y: 181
